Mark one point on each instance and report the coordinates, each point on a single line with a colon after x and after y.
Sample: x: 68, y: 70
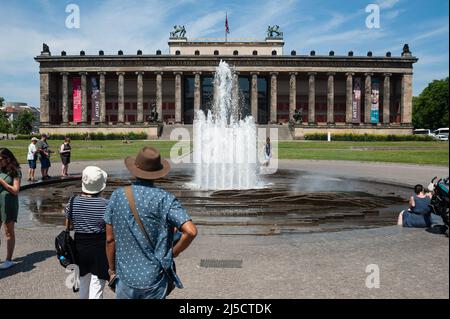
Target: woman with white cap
x: 84, y: 214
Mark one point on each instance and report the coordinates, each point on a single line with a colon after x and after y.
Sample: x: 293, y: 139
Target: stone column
x: 312, y: 98
x: 292, y: 95
x: 83, y: 98
x: 235, y: 95
x: 121, y: 97
x: 254, y: 101
x: 387, y: 98
x: 349, y: 98
x: 102, y: 97
x: 406, y: 99
x: 140, y: 97
x: 159, y: 95
x: 65, y: 98
x: 44, y: 98
x: 368, y: 97
x: 197, y: 92
x: 177, y: 97
x: 330, y: 98
x: 273, y: 97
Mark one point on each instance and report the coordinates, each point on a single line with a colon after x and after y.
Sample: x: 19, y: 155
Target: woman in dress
x: 419, y: 212
x: 65, y: 151
x: 10, y: 176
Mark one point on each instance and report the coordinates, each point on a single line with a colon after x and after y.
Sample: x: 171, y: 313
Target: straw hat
x: 93, y: 180
x: 147, y: 164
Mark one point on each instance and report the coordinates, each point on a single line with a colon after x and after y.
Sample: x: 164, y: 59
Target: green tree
x: 430, y: 108
x: 24, y: 122
x: 5, y: 124
x: 2, y: 100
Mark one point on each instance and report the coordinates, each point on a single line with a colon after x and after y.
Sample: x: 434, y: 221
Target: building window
x: 197, y: 52
x: 177, y: 52
x: 255, y: 52
x: 274, y: 52
x: 235, y: 52
x: 207, y: 93
x: 216, y: 52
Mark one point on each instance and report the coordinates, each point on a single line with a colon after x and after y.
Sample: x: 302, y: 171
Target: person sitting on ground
x: 140, y: 221
x: 84, y: 214
x: 419, y: 212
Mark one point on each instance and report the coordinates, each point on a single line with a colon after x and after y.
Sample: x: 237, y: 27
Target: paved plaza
x: 413, y: 263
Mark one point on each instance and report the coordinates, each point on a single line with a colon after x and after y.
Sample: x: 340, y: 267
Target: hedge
x: 92, y: 136
x: 367, y: 137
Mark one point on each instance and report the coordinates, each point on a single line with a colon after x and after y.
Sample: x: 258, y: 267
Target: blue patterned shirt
x: 137, y: 264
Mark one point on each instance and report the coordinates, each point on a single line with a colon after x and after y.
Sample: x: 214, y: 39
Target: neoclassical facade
x: 337, y: 93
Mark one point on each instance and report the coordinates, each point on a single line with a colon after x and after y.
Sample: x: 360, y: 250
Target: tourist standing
x: 32, y: 158
x: 10, y: 177
x: 44, y: 156
x: 267, y: 152
x: 65, y: 152
x: 84, y: 214
x: 140, y: 248
x: 419, y: 212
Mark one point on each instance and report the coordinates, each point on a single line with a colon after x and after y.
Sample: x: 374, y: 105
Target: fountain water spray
x: 225, y: 154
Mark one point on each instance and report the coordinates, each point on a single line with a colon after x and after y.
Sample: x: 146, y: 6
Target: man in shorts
x: 44, y: 156
x: 32, y: 157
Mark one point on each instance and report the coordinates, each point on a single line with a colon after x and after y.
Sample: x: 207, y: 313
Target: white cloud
x: 387, y: 4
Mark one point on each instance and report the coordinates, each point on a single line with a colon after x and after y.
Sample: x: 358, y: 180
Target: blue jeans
x: 125, y: 292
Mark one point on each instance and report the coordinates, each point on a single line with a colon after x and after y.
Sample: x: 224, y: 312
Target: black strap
x: 71, y: 200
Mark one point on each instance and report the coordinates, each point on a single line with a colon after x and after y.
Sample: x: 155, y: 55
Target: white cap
x: 34, y: 139
x: 93, y: 180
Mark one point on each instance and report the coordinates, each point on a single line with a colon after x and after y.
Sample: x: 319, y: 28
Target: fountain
x: 224, y: 144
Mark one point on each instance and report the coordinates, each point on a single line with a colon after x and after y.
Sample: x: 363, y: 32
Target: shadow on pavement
x: 27, y: 263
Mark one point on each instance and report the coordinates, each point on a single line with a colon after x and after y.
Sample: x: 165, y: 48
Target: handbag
x: 132, y: 204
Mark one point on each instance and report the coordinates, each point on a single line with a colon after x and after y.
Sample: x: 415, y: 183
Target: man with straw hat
x: 141, y: 220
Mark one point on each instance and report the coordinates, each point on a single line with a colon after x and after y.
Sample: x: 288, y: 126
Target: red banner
x: 76, y: 84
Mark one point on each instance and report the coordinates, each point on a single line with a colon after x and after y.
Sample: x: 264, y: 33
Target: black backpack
x: 65, y: 245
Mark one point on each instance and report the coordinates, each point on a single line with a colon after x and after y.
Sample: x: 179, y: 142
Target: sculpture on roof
x: 179, y: 31
x: 274, y: 32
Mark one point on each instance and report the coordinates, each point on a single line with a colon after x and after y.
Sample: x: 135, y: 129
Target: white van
x: 441, y: 134
x: 422, y: 131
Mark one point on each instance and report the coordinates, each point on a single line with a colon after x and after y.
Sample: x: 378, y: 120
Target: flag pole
x: 226, y: 24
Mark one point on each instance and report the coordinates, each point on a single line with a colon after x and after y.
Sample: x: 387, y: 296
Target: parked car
x: 441, y: 134
x: 422, y: 131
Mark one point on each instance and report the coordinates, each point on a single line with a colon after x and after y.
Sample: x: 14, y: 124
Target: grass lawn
x: 435, y: 153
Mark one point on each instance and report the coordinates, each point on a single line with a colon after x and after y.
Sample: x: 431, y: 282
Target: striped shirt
x: 87, y: 214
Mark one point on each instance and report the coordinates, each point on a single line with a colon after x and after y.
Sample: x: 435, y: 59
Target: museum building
x: 329, y: 93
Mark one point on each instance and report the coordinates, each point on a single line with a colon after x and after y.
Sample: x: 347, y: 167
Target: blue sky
x: 130, y: 25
